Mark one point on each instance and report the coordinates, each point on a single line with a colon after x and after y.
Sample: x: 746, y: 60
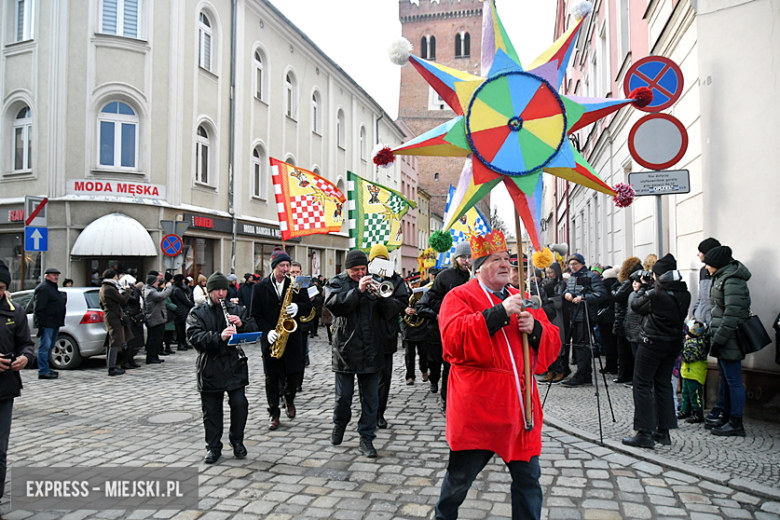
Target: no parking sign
x: 659, y: 74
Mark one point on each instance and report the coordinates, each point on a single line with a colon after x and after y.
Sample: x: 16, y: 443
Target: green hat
x: 217, y: 281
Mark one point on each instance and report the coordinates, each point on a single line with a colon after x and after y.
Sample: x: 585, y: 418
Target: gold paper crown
x: 493, y: 242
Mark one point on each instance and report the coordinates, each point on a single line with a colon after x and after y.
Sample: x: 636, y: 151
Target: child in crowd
x: 693, y: 372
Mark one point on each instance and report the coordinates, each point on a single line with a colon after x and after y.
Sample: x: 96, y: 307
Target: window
x: 120, y: 17
x: 118, y: 135
x: 624, y: 36
x: 362, y: 143
x: 258, y: 75
x: 315, y: 113
x: 340, y: 130
x: 424, y: 48
x: 24, y: 20
x: 259, y: 180
x: 432, y: 47
x: 22, y: 134
x: 202, y: 156
x: 462, y: 45
x: 204, y: 42
x: 289, y: 95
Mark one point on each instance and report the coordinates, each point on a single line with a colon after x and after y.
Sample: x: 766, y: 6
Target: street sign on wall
x: 670, y: 182
x: 36, y: 231
x: 658, y: 141
x: 659, y: 74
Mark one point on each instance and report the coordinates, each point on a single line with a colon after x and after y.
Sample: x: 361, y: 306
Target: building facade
x: 730, y: 155
x: 124, y: 106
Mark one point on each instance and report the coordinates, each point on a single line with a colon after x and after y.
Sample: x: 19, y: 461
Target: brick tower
x: 448, y: 32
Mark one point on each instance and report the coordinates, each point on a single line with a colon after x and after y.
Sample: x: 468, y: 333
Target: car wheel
x: 65, y: 353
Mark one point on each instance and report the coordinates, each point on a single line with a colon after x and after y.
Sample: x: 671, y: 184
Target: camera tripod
x: 591, y: 344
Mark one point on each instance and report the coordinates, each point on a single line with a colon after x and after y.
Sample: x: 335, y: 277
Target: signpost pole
x: 659, y: 205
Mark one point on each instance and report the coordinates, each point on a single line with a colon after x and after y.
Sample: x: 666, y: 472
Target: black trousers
x: 435, y: 361
x: 211, y: 403
x: 653, y: 399
x: 582, y: 354
x: 610, y: 347
x: 154, y: 338
x: 6, y: 412
x: 181, y: 336
x: 385, y: 376
x: 272, y: 385
x: 625, y: 360
x: 414, y: 348
x: 315, y: 325
x: 168, y: 339
x: 368, y: 387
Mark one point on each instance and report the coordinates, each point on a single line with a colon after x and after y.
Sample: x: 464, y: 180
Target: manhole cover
x: 169, y: 418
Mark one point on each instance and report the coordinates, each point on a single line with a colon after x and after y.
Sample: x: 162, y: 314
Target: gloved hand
x: 292, y: 310
x: 272, y: 337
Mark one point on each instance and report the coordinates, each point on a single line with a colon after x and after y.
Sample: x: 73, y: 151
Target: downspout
x: 376, y: 168
x: 231, y: 158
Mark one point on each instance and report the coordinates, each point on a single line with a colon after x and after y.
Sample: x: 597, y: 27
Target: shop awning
x: 114, y: 235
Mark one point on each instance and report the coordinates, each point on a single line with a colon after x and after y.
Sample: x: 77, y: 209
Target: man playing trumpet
x: 482, y: 325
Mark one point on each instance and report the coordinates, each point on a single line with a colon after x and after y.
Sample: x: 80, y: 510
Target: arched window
x: 424, y: 48
x: 466, y: 44
x: 202, y: 144
x: 315, y: 112
x: 362, y: 143
x: 118, y: 136
x: 290, y: 97
x: 458, y: 47
x: 259, y: 179
x: 120, y: 17
x: 22, y: 133
x: 290, y: 160
x: 205, y: 36
x: 316, y: 169
x: 24, y: 20
x: 340, y: 129
x: 432, y: 47
x: 258, y: 75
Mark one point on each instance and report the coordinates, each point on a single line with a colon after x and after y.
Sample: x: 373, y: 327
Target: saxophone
x: 286, y: 324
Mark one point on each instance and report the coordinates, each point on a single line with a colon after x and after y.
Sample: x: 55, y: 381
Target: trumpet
x: 381, y: 289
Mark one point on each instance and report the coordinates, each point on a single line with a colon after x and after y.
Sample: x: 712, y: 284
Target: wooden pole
x: 529, y: 417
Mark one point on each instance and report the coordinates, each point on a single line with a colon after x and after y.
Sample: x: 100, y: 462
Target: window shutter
x: 206, y: 51
x: 131, y: 19
x: 109, y: 16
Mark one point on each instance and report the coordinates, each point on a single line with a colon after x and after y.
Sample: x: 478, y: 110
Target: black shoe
x: 717, y: 420
x: 367, y: 448
x: 162, y: 353
x: 128, y: 366
x: 239, y: 450
x: 684, y: 415
x: 640, y: 440
x: 695, y: 418
x: 48, y: 375
x: 169, y: 351
x: 380, y: 422
x: 434, y: 387
x: 298, y: 389
x: 212, y: 456
x: 115, y: 371
x: 154, y: 361
x: 181, y: 348
x: 733, y: 428
x: 133, y: 364
x: 337, y: 435
x: 273, y: 423
x: 662, y: 437
x: 575, y: 381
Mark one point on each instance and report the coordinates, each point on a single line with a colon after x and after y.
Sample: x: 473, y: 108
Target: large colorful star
x: 511, y: 124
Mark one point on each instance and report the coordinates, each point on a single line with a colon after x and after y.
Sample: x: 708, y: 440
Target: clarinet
x: 241, y: 355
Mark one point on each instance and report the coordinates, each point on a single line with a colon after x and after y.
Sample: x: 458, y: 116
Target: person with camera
x: 17, y: 350
x: 221, y: 368
x: 156, y: 315
x: 112, y: 302
x: 584, y: 292
x: 50, y: 316
x: 664, y: 302
x: 181, y: 299
x: 620, y: 294
x: 133, y: 315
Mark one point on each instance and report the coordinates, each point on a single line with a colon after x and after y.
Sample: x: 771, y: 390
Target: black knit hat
x: 356, y: 258
x: 178, y: 278
x: 664, y: 264
x: 5, y: 274
x: 707, y: 244
x: 718, y: 257
x: 151, y: 279
x: 277, y: 257
x: 217, y: 281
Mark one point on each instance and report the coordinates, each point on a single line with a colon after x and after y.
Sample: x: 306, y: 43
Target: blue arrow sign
x: 36, y: 239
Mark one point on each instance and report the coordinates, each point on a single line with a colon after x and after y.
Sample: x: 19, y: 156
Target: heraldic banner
x: 307, y: 203
x: 375, y: 214
x: 469, y: 224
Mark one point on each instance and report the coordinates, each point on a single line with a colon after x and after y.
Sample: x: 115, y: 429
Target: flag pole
x: 529, y: 417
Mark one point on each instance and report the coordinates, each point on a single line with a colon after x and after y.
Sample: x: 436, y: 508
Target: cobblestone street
x: 151, y: 417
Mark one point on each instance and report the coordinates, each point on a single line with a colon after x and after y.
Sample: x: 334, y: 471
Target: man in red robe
x: 482, y: 324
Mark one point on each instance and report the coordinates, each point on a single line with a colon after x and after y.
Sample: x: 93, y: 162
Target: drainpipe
x: 231, y: 173
x: 376, y: 168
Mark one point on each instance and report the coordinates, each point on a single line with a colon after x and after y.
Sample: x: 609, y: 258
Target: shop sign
x: 116, y: 188
x: 12, y: 215
x: 256, y: 230
x: 222, y: 225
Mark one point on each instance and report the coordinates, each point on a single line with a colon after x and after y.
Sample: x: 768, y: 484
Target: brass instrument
x: 307, y: 319
x: 286, y: 324
x: 381, y: 289
x: 414, y: 320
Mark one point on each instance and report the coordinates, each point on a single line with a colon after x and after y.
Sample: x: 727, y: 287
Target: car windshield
x: 93, y: 299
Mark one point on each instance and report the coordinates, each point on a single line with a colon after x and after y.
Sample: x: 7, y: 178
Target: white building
x: 119, y: 93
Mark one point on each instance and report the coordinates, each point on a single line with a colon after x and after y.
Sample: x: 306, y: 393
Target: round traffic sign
x: 658, y: 141
x: 171, y: 245
x: 659, y: 74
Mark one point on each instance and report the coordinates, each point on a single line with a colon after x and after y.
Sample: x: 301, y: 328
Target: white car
x: 84, y: 333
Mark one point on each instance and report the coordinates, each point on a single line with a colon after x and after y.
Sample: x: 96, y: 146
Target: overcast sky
x: 356, y: 34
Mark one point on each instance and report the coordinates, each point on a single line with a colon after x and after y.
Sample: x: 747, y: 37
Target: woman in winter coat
x: 199, y: 293
x: 620, y: 293
x: 181, y: 299
x: 135, y: 313
x: 606, y: 322
x: 664, y: 305
x: 730, y: 299
x: 112, y: 302
x: 554, y: 286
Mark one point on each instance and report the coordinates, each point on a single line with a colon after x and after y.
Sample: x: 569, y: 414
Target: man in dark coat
x: 112, y: 302
x: 390, y: 312
x: 415, y: 339
x: 136, y: 315
x: 583, y: 298
x: 17, y: 350
x: 220, y: 368
x: 358, y: 335
x: 428, y: 307
x: 50, y: 314
x: 233, y: 288
x: 181, y: 299
x: 245, y: 291
x: 267, y: 298
x: 156, y: 315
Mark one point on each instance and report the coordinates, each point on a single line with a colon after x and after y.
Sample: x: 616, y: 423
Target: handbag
x: 751, y: 335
